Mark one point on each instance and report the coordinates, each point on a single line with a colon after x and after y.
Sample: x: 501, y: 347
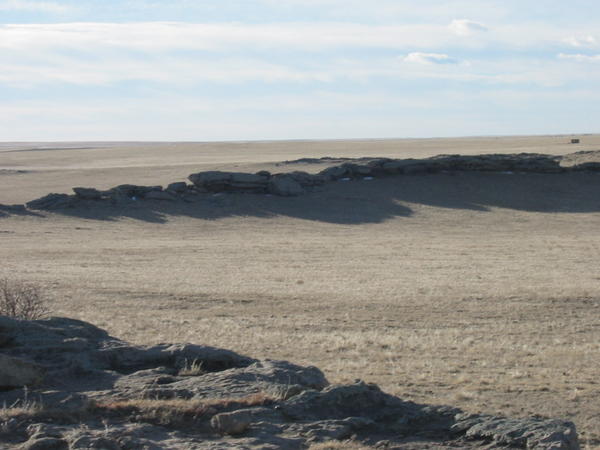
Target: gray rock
x: 159, y: 195
x: 213, y: 180
x: 87, y: 193
x: 178, y: 187
x: 90, y: 442
x: 217, y: 181
x: 45, y: 443
x: 522, y: 433
x: 16, y: 373
x: 232, y: 423
x: 285, y: 186
x: 334, y: 173
x: 341, y: 401
x: 52, y: 201
x: 305, y: 179
x: 248, y: 182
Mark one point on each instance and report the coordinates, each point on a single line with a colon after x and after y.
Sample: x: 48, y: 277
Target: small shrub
x: 22, y: 300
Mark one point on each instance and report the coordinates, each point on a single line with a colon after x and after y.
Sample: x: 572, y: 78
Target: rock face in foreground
x: 91, y: 390
x: 290, y: 184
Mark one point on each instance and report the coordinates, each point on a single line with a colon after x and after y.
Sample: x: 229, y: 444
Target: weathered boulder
x: 217, y: 181
x: 213, y: 180
x: 285, y: 185
x: 533, y: 433
x: 52, y: 201
x: 232, y: 423
x: 87, y: 193
x: 178, y: 187
x: 248, y: 182
x: 334, y: 173
x: 15, y: 372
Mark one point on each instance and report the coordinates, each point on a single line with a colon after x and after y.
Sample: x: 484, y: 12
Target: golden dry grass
x: 176, y: 412
x: 479, y: 291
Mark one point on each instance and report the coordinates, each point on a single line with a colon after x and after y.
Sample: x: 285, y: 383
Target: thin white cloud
x: 161, y: 36
x: 429, y: 58
x: 307, y: 36
x: 579, y: 57
x: 588, y: 41
x: 465, y: 27
x: 32, y: 6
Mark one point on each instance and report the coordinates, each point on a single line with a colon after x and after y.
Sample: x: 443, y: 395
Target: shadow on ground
x: 360, y: 201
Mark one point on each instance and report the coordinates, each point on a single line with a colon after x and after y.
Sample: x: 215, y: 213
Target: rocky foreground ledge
x: 298, y: 182
x: 86, y: 389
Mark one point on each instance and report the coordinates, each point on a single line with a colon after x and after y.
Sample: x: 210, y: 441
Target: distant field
x: 476, y: 290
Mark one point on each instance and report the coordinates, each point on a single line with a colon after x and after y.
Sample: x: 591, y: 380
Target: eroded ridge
x: 295, y: 183
x: 67, y: 384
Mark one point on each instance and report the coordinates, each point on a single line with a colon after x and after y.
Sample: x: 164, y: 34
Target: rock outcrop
x: 290, y: 184
x: 90, y: 390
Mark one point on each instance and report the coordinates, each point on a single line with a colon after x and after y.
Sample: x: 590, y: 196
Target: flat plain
x: 476, y: 290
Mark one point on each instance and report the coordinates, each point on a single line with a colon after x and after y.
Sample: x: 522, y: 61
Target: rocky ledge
x: 296, y: 183
x: 66, y: 384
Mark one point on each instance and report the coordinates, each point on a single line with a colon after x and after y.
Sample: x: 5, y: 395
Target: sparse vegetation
x: 192, y: 369
x: 177, y: 412
x: 23, y: 300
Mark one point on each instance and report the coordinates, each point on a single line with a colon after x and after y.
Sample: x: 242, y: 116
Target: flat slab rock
x: 95, y: 391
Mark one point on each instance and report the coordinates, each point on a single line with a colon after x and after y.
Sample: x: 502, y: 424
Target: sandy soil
x: 477, y: 290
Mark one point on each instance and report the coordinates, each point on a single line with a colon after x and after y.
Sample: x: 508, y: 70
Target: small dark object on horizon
x: 574, y: 141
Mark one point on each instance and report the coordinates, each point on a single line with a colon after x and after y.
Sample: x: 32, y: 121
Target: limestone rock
x: 286, y: 186
x: 217, y: 181
x: 213, y: 180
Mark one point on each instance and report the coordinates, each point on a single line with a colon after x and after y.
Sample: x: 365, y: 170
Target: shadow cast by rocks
x: 16, y: 210
x: 359, y: 201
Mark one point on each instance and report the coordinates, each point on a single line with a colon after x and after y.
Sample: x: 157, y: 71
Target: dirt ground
x: 476, y: 290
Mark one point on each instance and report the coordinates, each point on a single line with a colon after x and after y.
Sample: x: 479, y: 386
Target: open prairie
x: 476, y: 290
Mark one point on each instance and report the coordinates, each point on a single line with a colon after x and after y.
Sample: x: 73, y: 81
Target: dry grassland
x: 480, y: 291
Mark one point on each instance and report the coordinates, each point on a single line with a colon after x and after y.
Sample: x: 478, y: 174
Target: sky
x: 200, y: 70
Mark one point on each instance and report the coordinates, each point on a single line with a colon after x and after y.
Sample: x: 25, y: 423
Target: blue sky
x: 296, y: 69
